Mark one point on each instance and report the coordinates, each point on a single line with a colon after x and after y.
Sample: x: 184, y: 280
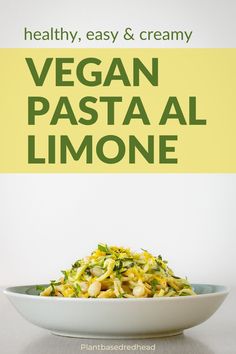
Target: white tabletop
x: 215, y: 336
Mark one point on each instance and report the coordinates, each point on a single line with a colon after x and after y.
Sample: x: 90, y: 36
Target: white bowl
x: 117, y: 318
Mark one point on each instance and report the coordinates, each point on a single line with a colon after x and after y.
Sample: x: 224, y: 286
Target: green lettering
x: 122, y: 75
x: 120, y: 149
x: 172, y: 103
x: 31, y: 152
x: 85, y: 145
x: 136, y: 102
x: 86, y: 109
x: 63, y: 103
x: 33, y: 112
x: 51, y: 149
x: 95, y: 74
x: 193, y: 120
x: 60, y: 72
x: 152, y: 76
x: 39, y: 78
x: 111, y: 100
x: 163, y: 148
x: 135, y: 144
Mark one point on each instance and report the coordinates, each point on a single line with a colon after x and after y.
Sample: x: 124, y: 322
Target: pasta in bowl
x: 117, y: 272
x: 106, y: 294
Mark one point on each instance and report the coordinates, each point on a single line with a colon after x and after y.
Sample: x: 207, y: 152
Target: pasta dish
x: 117, y: 272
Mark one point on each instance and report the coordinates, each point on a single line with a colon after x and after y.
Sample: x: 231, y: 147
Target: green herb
x: 127, y: 264
x: 53, y: 282
x: 127, y: 259
x: 78, y: 288
x: 118, y: 265
x: 77, y: 264
x: 187, y: 286
x: 123, y: 270
x: 154, y: 284
x: 118, y: 274
x: 103, y: 248
x: 174, y: 276
x: 158, y: 265
x: 183, y: 294
x: 160, y: 257
x: 53, y: 289
x: 40, y: 288
x: 72, y: 272
x: 144, y: 250
x: 64, y: 272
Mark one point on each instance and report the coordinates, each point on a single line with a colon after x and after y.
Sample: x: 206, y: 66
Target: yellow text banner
x: 118, y: 110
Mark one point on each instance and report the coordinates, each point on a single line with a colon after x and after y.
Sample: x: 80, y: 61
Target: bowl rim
x: 12, y: 292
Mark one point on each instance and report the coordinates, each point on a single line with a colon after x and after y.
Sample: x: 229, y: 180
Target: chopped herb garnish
x: 53, y: 289
x: 127, y: 259
x: 118, y: 265
x: 122, y: 270
x: 103, y: 248
x: 64, y: 272
x: 127, y: 264
x: 78, y: 288
x: 53, y: 282
x: 121, y: 295
x: 154, y: 284
x: 77, y: 264
x: 187, y: 286
x: 158, y: 265
x: 118, y: 274
x: 183, y: 294
x: 40, y: 287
